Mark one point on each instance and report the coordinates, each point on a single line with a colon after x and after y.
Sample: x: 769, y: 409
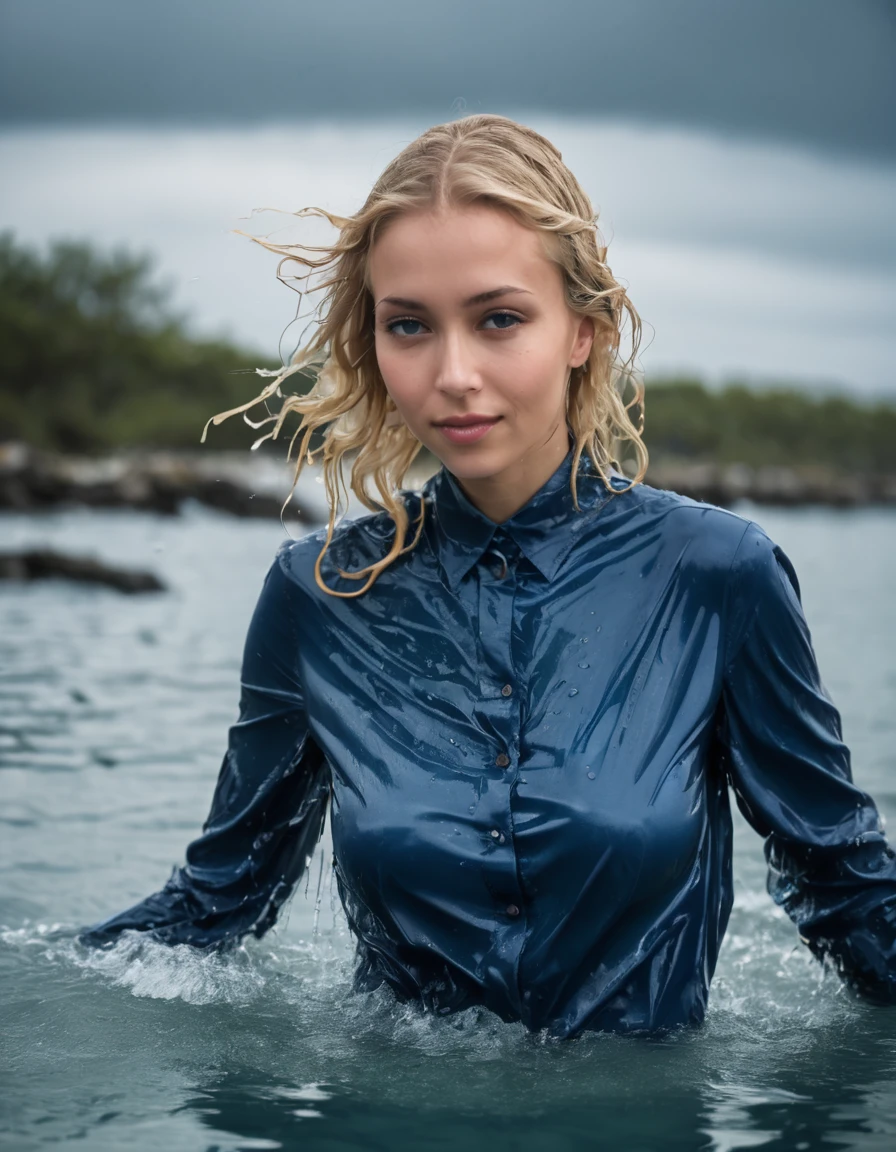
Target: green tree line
x: 92, y: 359
x: 738, y: 424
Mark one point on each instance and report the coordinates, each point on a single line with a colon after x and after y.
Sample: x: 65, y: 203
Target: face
x: 475, y: 342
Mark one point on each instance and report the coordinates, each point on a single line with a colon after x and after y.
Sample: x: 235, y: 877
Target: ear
x: 584, y: 338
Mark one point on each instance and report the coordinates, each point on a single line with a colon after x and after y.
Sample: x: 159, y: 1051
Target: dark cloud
x: 818, y: 72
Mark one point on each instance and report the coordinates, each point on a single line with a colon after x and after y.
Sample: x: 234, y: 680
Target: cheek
x: 404, y: 385
x: 537, y: 384
x: 396, y: 380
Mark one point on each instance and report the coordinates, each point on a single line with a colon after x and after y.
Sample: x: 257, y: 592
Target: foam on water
x: 107, y: 769
x: 767, y: 983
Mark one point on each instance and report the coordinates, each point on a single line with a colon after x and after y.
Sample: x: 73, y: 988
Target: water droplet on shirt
x: 591, y: 776
x: 573, y: 692
x: 584, y: 664
x: 584, y: 639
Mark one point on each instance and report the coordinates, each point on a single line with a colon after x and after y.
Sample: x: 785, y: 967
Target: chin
x: 468, y: 464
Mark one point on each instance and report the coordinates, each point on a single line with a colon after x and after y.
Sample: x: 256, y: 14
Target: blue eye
x: 504, y: 316
x: 393, y: 325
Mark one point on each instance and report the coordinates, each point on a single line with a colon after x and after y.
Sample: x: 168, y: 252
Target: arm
x: 829, y: 864
x: 267, y: 811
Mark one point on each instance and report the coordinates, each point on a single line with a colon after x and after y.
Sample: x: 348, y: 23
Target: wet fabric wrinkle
x: 527, y: 734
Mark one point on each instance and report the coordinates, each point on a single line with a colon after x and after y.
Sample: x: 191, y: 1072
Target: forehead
x: 460, y: 246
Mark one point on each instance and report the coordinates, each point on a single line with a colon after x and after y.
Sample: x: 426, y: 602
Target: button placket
x: 505, y: 550
x: 496, y: 596
x: 498, y: 576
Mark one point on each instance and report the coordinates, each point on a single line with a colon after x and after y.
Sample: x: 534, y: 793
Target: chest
x: 590, y: 670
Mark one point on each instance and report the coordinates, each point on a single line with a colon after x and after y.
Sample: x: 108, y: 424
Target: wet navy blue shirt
x: 528, y: 732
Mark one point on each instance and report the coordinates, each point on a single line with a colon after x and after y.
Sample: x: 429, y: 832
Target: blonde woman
x: 526, y: 688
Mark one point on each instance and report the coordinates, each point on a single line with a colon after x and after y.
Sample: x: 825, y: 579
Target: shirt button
x: 506, y: 690
x: 499, y: 571
x: 502, y: 759
x: 495, y: 834
x: 512, y: 910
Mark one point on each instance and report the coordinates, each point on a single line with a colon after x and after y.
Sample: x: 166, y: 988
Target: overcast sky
x: 817, y: 72
x: 742, y: 153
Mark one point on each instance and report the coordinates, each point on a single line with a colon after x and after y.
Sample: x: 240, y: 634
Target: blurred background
x: 742, y: 156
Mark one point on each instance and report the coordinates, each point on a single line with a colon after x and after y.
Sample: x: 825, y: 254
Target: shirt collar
x: 544, y: 529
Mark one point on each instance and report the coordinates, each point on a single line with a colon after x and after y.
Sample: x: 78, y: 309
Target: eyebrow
x: 479, y: 298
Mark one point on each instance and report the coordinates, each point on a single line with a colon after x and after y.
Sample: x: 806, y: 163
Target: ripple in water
x: 108, y: 767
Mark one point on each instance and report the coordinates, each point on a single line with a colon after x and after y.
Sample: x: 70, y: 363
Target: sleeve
x: 268, y: 808
x: 830, y: 867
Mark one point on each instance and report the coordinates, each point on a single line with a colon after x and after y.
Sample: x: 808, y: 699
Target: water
x: 113, y: 715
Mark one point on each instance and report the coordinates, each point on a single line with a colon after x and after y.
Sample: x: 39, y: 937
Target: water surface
x: 113, y: 718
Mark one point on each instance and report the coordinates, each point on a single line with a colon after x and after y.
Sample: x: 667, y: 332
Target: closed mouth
x: 467, y: 422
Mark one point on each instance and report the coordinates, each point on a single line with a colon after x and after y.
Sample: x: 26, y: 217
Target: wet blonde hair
x: 477, y: 159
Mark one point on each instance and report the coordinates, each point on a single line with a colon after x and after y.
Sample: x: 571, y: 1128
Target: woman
x: 527, y: 687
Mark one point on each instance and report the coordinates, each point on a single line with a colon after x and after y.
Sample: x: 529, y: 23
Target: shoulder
x: 693, y: 529
x: 750, y: 572
x: 763, y: 585
x: 354, y: 544
x: 745, y: 552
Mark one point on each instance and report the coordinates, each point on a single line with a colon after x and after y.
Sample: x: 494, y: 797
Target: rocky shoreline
x: 164, y: 482
x: 816, y: 484
x: 47, y: 564
x: 160, y: 482
x: 250, y: 486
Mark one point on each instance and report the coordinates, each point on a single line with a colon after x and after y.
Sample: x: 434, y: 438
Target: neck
x: 503, y: 494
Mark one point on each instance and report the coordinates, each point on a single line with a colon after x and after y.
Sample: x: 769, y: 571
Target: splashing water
x: 110, y: 744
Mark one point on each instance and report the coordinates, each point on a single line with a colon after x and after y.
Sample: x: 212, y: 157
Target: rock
x: 158, y: 482
x: 45, y: 564
x: 781, y: 485
x: 230, y: 497
x: 162, y: 482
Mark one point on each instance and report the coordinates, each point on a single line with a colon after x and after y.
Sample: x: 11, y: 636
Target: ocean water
x: 113, y: 717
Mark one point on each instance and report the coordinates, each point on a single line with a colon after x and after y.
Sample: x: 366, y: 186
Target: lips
x: 467, y: 429
x: 472, y: 418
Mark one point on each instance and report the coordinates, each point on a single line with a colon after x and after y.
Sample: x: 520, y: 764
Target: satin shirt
x: 527, y: 732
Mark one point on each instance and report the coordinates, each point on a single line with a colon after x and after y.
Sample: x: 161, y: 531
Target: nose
x: 457, y: 372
